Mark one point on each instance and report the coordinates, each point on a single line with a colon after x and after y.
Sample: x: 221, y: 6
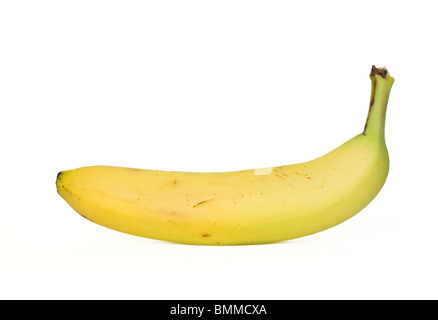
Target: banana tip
x: 378, y: 71
x: 58, y: 177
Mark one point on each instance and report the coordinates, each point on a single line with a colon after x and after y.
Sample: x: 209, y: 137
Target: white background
x: 213, y: 86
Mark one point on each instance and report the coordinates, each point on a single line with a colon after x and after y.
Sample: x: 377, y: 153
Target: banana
x: 255, y: 206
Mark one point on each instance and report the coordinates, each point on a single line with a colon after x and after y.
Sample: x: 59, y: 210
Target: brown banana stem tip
x: 378, y: 71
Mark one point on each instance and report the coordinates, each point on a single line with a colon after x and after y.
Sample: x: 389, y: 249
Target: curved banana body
x: 241, y: 207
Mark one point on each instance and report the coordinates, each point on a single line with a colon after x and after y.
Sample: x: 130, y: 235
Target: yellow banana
x: 241, y: 207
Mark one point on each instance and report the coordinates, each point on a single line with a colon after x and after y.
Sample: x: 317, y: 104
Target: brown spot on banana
x: 202, y: 202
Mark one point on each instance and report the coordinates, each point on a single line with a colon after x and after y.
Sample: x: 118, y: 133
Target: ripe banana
x: 242, y: 207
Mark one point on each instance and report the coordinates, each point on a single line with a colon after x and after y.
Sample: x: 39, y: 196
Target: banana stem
x: 381, y: 87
